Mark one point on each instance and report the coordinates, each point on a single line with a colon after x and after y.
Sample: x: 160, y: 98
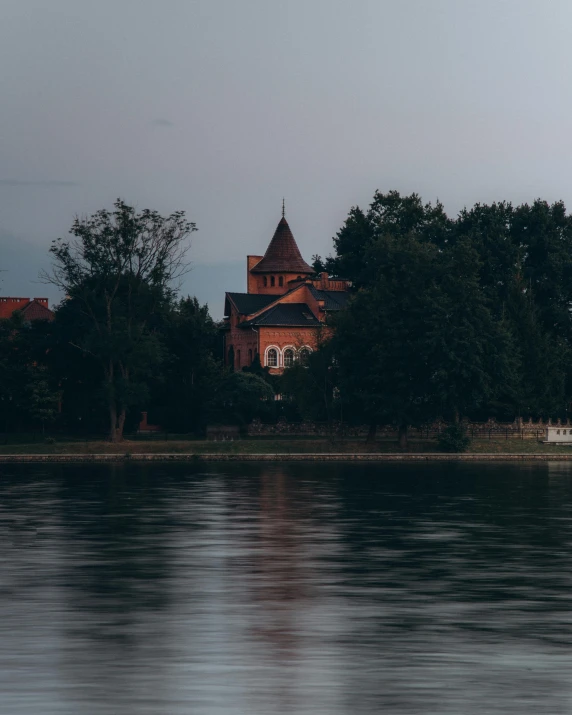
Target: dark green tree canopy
x: 456, y: 317
x: 118, y: 272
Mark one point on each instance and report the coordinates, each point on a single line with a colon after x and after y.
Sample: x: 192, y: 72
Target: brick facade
x: 32, y: 309
x: 284, y: 310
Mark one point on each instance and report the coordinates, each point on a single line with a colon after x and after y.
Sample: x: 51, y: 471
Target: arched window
x: 272, y: 358
x: 265, y: 281
x: 250, y: 356
x: 272, y: 280
x: 303, y: 355
x: 281, y: 281
x: 288, y: 357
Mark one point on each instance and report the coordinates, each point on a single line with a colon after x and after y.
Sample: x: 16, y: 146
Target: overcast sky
x: 222, y: 107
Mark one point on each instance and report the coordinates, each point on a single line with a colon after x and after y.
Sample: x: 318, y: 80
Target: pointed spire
x: 283, y: 208
x: 282, y: 254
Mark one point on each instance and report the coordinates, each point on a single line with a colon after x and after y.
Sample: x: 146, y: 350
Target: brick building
x: 281, y: 315
x: 31, y: 309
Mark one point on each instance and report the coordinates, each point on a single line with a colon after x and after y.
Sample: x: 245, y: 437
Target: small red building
x: 281, y: 316
x: 31, y: 309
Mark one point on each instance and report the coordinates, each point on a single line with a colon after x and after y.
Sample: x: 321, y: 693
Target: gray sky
x: 222, y: 107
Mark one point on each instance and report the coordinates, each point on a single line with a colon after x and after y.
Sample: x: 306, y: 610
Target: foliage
x: 240, y: 398
x: 118, y: 272
x: 191, y: 372
x: 28, y: 393
x: 465, y: 317
x: 453, y: 317
x: 388, y: 215
x: 382, y: 342
x: 454, y: 439
x: 312, y: 385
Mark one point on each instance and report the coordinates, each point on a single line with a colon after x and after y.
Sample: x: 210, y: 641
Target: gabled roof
x: 248, y: 303
x: 275, y: 300
x: 333, y: 299
x: 36, y: 309
x: 282, y: 254
x: 291, y: 314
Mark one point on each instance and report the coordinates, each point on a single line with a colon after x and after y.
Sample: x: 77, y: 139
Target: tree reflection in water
x: 285, y: 588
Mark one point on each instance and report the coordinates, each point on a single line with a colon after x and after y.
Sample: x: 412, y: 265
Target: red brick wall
x: 256, y: 283
x: 282, y: 337
x: 241, y: 340
x: 9, y: 305
x: 252, y: 278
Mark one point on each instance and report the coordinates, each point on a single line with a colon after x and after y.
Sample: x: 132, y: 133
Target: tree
x: 311, y: 384
x: 381, y: 340
x: 241, y: 397
x: 542, y: 357
x: 471, y: 351
x: 318, y: 264
x: 28, y: 394
x: 192, y: 371
x: 118, y: 274
x: 351, y: 243
x: 389, y: 214
x: 526, y: 272
x: 420, y: 340
x: 41, y: 402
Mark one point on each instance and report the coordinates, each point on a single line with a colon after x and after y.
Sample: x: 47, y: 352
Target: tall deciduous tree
x: 420, y: 340
x: 118, y: 272
x: 381, y: 341
x: 311, y: 383
x: 389, y: 214
x: 192, y: 371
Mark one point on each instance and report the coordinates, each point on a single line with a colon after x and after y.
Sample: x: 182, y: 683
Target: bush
x: 454, y: 439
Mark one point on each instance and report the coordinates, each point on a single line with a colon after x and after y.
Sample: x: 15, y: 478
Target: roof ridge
x: 287, y: 314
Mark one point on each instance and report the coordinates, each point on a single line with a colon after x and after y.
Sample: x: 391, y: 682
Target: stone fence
x: 491, y: 429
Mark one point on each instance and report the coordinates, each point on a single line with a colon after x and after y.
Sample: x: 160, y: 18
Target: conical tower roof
x: 282, y: 254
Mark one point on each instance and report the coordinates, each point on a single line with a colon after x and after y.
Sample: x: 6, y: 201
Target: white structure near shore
x: 558, y: 434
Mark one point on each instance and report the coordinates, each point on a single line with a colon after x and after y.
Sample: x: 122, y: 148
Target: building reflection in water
x: 285, y: 589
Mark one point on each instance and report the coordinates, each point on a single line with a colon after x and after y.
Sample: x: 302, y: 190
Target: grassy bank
x: 269, y: 446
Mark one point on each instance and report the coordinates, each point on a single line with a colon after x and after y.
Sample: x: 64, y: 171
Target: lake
x: 305, y: 588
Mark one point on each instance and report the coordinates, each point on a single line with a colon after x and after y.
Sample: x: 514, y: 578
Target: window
x: 288, y: 357
x: 238, y: 358
x: 265, y: 281
x: 304, y: 354
x: 272, y: 358
x: 250, y: 356
x: 272, y: 281
x: 281, y: 281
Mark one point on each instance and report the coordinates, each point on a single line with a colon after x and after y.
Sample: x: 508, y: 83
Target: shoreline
x: 287, y: 457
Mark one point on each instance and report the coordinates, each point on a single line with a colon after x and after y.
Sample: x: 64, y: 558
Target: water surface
x: 303, y: 588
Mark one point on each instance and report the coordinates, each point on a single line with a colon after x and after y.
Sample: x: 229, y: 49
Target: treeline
x: 465, y: 317
x: 453, y: 318
x: 122, y: 340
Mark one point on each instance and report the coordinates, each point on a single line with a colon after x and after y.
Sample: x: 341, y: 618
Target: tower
x: 281, y: 267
